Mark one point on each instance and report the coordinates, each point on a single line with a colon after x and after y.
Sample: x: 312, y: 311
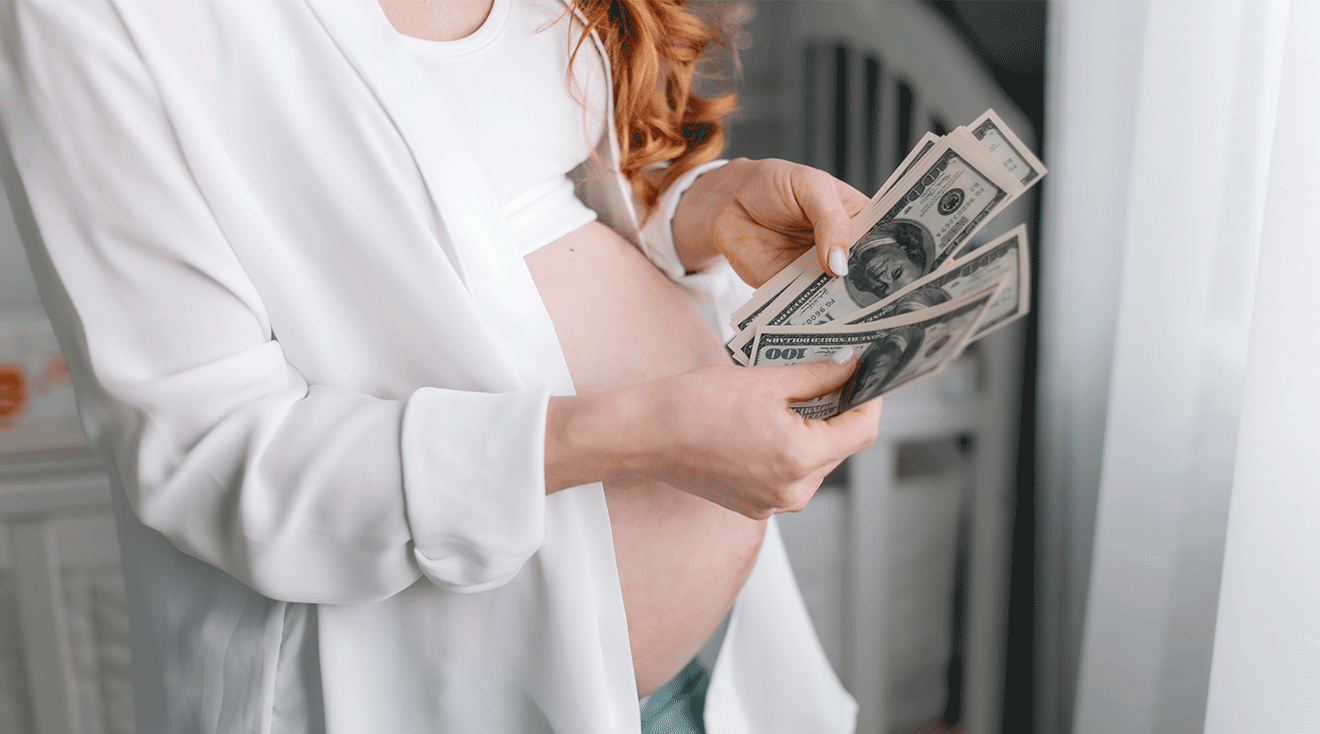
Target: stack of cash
x: 917, y: 292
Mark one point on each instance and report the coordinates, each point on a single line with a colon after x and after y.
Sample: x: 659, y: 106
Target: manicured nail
x: 841, y: 356
x: 839, y: 261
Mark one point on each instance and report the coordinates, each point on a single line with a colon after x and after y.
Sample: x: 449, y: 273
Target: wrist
x: 693, y: 241
x: 588, y: 438
x: 694, y: 202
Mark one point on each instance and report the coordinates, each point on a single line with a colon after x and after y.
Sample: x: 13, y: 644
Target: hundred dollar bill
x: 1005, y: 147
x: 991, y: 134
x: 740, y: 345
x: 914, y: 156
x: 1005, y: 259
x: 746, y: 314
x: 891, y: 352
x: 953, y: 190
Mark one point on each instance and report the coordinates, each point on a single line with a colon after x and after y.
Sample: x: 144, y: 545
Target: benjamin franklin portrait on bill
x: 888, y: 257
x: 880, y: 363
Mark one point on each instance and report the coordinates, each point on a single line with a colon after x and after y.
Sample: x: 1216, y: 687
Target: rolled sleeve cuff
x: 474, y: 483
x: 658, y: 231
x: 717, y: 291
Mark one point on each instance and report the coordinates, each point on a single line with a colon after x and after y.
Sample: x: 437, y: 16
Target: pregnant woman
x: 396, y: 325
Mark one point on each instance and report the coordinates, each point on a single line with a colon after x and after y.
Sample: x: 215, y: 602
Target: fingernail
x: 839, y: 261
x: 841, y: 356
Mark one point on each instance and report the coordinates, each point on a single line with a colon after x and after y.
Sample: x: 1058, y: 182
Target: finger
x: 818, y: 194
x: 810, y: 486
x: 809, y: 379
x: 813, y: 482
x: 853, y: 200
x: 870, y: 408
x: 856, y: 429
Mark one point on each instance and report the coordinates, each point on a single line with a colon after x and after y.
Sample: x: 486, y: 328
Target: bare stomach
x: 681, y: 559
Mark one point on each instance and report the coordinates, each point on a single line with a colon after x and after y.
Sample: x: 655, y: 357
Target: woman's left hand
x: 762, y: 215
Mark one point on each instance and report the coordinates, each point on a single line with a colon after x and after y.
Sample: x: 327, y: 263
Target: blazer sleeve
x: 304, y: 492
x: 717, y: 291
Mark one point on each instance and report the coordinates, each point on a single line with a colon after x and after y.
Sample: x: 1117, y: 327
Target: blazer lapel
x: 472, y: 230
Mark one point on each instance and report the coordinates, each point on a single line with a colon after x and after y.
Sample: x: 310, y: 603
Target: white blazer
x: 318, y: 370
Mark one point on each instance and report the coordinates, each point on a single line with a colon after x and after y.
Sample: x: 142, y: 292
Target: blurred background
x: 1042, y: 538
x: 917, y: 558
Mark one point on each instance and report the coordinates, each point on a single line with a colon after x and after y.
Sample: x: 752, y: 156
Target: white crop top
x: 527, y: 127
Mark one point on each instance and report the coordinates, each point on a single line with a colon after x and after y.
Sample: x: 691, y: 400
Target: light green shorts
x: 678, y: 706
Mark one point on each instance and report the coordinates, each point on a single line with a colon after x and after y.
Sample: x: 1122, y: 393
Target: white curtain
x: 1266, y: 671
x: 1162, y: 401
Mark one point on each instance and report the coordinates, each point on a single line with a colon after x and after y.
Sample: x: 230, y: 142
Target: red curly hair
x: 654, y: 47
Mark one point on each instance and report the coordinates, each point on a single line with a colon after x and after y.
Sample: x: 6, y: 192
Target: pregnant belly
x: 681, y: 559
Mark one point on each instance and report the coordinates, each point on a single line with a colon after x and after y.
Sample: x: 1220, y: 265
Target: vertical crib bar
x: 870, y: 483
x: 992, y: 513
x: 903, y: 120
x: 871, y: 127
x: 842, y: 102
x: 44, y: 624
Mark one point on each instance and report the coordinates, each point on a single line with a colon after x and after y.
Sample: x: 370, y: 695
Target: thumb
x: 827, y: 202
x: 813, y: 379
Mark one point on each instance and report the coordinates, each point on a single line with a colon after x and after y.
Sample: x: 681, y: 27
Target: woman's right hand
x: 723, y: 433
